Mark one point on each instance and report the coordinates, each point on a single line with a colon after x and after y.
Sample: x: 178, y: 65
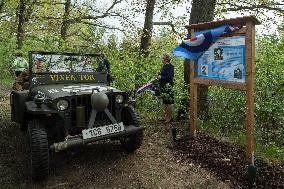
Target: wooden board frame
x: 248, y: 30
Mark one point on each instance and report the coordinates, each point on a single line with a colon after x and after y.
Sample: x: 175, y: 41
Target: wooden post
x: 193, y: 97
x: 250, y: 58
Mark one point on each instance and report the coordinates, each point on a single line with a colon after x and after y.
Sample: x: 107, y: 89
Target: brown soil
x: 227, y: 161
x: 104, y: 164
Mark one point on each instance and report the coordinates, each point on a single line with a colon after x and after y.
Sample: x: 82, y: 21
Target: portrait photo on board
x: 218, y: 54
x: 204, y: 70
x: 238, y: 73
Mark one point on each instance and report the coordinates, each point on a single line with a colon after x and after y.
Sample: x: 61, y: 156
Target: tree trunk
x: 201, y: 11
x: 21, y: 23
x: 145, y: 38
x: 148, y: 27
x: 66, y: 22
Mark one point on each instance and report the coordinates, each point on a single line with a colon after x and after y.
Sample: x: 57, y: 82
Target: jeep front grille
x: 78, y: 102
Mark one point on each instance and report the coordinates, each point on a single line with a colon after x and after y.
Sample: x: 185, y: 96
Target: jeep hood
x: 54, y: 91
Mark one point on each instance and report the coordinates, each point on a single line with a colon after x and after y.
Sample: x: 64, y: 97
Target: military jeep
x: 67, y: 104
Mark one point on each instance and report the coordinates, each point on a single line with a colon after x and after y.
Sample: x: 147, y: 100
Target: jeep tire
x: 23, y: 126
x: 130, y: 117
x: 37, y: 146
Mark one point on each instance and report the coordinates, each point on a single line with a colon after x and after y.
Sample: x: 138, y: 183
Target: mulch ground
x: 227, y: 161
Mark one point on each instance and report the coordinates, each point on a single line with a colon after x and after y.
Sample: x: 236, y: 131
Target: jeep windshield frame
x: 57, y: 67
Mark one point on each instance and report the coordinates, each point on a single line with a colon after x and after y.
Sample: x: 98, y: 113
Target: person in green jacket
x: 20, y: 64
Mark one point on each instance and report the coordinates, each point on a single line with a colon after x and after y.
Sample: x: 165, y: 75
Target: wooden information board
x: 234, y: 75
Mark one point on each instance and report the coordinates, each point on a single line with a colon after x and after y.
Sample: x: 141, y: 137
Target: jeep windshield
x: 49, y: 63
x: 66, y: 68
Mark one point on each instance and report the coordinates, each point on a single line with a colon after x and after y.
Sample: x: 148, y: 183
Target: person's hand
x: 159, y: 77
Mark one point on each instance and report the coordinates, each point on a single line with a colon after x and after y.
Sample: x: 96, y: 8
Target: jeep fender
x: 18, y: 107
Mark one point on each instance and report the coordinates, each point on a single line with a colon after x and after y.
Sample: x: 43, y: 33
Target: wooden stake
x: 250, y: 61
x: 193, y: 98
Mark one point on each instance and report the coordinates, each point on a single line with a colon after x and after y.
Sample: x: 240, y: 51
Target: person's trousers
x: 17, y: 73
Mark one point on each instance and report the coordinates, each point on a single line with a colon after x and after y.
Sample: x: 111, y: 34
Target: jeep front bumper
x: 78, y: 140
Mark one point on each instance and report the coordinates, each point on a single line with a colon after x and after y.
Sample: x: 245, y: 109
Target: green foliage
x: 227, y: 109
x: 270, y: 88
x: 130, y: 70
x: 7, y: 49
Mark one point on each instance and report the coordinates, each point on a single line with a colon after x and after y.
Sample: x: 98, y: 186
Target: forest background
x: 134, y: 50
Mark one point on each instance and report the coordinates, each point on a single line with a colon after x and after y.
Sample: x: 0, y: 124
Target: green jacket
x: 20, y: 64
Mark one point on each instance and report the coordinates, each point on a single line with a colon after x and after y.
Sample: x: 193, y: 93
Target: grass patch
x: 2, y: 95
x: 271, y: 151
x: 8, y: 81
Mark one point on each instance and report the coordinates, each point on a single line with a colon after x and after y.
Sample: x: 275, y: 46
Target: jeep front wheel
x: 38, y: 150
x: 130, y: 117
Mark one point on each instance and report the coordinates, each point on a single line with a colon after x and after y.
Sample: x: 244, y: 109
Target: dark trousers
x: 18, y: 73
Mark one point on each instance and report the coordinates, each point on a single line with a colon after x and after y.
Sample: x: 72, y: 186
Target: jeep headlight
x: 39, y: 99
x: 62, y: 105
x: 119, y: 99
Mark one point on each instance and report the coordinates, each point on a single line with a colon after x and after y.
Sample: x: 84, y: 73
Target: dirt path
x: 5, y: 89
x: 103, y: 165
x: 108, y: 166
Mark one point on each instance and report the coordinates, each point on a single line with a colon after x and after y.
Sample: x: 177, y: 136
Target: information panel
x: 224, y: 60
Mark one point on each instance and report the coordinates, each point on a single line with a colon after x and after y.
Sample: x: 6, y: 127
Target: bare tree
x: 86, y: 14
x: 255, y: 6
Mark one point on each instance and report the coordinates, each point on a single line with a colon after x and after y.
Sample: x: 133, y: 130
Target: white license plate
x: 104, y: 130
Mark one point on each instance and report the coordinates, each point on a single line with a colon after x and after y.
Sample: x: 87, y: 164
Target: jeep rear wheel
x: 38, y: 150
x: 132, y: 142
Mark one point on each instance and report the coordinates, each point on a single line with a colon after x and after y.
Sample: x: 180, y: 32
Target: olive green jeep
x: 69, y: 103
